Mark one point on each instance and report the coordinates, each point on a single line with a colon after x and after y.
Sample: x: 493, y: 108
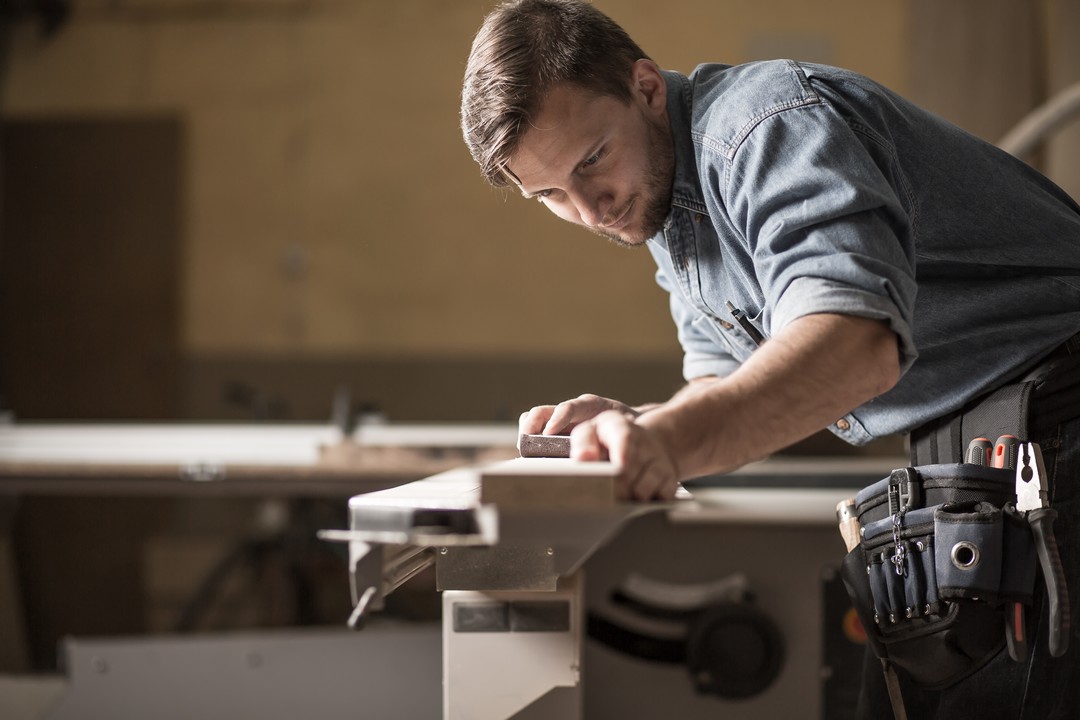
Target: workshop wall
x: 1061, y: 20
x: 335, y: 231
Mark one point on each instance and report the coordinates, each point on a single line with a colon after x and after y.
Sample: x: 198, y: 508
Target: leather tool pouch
x: 953, y: 533
x: 941, y: 552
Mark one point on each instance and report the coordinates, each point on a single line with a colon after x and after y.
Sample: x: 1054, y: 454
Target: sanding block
x: 550, y: 446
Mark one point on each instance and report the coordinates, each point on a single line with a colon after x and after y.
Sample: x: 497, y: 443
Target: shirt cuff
x: 699, y: 365
x: 813, y: 296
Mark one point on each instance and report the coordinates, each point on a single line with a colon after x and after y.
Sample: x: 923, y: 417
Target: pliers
x: 1032, y: 500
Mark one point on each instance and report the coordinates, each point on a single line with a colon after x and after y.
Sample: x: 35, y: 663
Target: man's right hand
x: 562, y: 418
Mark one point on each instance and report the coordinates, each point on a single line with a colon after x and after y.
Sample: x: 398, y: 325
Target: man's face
x: 599, y: 162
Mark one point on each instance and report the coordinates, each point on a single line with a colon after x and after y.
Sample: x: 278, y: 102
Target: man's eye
x: 594, y: 159
x: 542, y: 194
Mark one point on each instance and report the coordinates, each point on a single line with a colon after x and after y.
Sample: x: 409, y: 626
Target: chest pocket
x: 708, y: 278
x: 725, y: 334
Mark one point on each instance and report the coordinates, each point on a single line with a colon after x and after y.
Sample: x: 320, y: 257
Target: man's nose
x: 593, y: 208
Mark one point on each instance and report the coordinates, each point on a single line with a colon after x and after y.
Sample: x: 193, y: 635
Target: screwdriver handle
x: 1042, y: 526
x: 978, y: 452
x: 848, y: 523
x: 1005, y: 451
x: 1016, y: 631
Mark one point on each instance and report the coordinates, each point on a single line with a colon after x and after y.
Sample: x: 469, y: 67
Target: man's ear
x: 648, y: 85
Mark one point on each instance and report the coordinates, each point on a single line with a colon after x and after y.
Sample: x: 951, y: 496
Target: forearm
x: 640, y: 410
x: 810, y: 374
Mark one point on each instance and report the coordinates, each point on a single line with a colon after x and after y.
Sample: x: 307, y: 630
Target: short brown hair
x: 523, y: 49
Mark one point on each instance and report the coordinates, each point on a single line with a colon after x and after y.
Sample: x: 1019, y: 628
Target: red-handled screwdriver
x: 981, y: 452
x: 1005, y: 452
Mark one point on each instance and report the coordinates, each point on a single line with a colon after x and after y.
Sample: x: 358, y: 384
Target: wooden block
x: 548, y: 483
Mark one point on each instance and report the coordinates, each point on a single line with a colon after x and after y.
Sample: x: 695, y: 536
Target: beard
x: 656, y: 193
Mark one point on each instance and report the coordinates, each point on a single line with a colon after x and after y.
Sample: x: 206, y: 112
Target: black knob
x: 734, y: 651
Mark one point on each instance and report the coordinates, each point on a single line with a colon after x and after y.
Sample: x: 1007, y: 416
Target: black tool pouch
x: 941, y: 552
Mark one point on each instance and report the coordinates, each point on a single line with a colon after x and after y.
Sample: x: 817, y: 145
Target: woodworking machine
x: 561, y: 602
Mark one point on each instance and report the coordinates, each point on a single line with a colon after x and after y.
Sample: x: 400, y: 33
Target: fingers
x: 654, y: 481
x: 565, y: 416
x: 551, y: 419
x: 533, y: 421
x: 558, y: 419
x: 645, y: 469
x: 562, y: 418
x: 569, y: 414
x: 603, y: 429
x: 585, y: 444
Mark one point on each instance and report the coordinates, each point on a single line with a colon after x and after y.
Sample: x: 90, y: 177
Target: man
x: 835, y: 256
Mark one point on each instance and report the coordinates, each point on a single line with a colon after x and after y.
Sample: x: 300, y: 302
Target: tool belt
x: 942, y: 551
x: 943, y: 557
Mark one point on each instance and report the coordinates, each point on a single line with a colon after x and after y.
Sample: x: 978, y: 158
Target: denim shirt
x: 803, y: 189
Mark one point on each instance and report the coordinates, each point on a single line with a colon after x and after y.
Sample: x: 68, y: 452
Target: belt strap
x: 1003, y: 412
x: 1046, y: 396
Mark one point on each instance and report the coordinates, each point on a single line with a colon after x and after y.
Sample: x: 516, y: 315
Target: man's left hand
x: 646, y: 467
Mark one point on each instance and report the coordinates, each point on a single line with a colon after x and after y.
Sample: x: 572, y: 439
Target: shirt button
x: 843, y: 424
x: 726, y: 325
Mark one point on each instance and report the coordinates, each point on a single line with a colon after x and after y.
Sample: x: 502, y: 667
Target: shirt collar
x: 686, y: 187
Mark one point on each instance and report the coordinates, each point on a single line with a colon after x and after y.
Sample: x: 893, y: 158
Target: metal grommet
x: 892, y: 618
x: 877, y: 619
x: 926, y: 610
x: 909, y: 613
x: 965, y: 555
x: 920, y: 546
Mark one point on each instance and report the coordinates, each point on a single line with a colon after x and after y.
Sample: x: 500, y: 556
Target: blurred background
x: 247, y: 211
x: 227, y: 209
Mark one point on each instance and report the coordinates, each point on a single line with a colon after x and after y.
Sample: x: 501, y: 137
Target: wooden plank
x: 531, y: 483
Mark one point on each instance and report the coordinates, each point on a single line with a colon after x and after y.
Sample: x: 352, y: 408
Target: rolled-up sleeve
x: 820, y: 207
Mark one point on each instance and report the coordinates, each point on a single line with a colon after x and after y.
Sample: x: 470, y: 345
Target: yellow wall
x: 331, y: 205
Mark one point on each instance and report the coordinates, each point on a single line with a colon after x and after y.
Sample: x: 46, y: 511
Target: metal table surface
x: 263, y: 459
